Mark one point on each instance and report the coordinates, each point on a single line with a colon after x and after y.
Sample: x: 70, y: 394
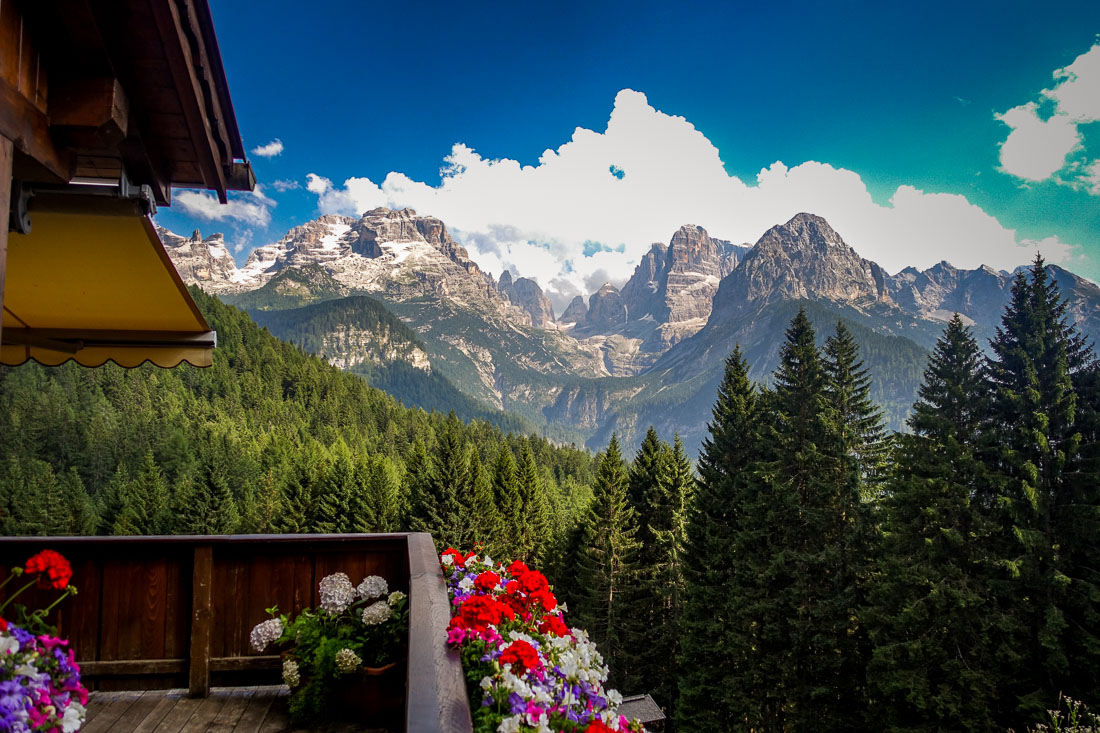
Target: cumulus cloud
x: 252, y: 208
x: 273, y: 148
x: 283, y: 185
x: 1038, y: 148
x: 572, y: 221
x: 1077, y: 93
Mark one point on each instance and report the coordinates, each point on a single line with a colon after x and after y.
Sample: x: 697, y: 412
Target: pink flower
x: 455, y: 635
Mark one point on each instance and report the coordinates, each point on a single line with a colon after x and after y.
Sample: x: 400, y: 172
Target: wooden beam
x: 142, y: 667
x: 435, y: 670
x: 241, y: 664
x: 89, y: 113
x: 177, y: 49
x: 6, y: 154
x: 28, y: 128
x: 202, y: 612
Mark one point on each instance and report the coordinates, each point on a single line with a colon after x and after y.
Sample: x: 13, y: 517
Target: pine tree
x: 660, y: 480
x: 205, y: 504
x: 111, y: 500
x: 810, y: 643
x: 849, y: 394
x: 535, y: 514
x: 441, y: 511
x: 1033, y: 444
x: 934, y: 663
x: 718, y: 638
x: 335, y: 493
x: 81, y: 509
x: 145, y: 505
x: 298, y: 501
x: 1079, y: 528
x: 383, y: 495
x: 506, y: 494
x: 607, y: 565
x: 418, y: 468
x: 486, y: 523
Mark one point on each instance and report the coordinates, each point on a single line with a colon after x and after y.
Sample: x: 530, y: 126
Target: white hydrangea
x: 264, y: 633
x: 373, y: 586
x: 337, y: 593
x: 347, y: 661
x: 290, y: 673
x: 376, y: 613
x: 396, y: 596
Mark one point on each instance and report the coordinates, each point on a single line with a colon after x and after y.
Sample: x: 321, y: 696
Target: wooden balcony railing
x: 162, y: 612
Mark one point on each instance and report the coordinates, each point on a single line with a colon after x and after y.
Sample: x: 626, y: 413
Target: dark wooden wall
x: 162, y: 612
x: 151, y: 612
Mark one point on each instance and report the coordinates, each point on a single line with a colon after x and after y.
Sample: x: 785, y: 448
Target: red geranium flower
x: 459, y: 558
x: 553, y: 625
x: 518, y: 567
x: 487, y: 581
x: 3, y: 625
x: 479, y: 612
x: 522, y: 656
x: 598, y: 726
x: 54, y: 568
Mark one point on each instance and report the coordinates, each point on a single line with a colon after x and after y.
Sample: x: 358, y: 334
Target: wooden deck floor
x: 226, y: 710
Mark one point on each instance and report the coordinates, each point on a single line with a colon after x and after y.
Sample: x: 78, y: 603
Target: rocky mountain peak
x: 526, y: 294
x: 803, y: 258
x: 606, y: 308
x: 575, y: 311
x: 200, y: 260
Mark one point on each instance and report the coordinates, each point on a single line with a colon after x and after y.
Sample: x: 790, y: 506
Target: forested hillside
x: 360, y: 335
x: 268, y: 439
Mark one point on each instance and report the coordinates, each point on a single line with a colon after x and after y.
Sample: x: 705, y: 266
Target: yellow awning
x: 94, y: 287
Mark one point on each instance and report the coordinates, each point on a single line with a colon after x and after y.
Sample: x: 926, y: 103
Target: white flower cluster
x: 264, y: 633
x: 396, y: 596
x: 290, y: 673
x: 578, y: 659
x: 337, y: 593
x: 376, y: 613
x: 373, y: 586
x: 347, y: 661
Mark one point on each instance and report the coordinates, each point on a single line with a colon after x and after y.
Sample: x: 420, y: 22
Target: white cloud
x: 250, y: 208
x: 536, y: 219
x: 1036, y: 149
x: 1091, y: 178
x: 1077, y: 93
x: 1040, y: 149
x: 273, y: 148
x: 282, y: 185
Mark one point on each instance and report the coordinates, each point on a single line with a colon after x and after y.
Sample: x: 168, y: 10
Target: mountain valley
x: 393, y: 297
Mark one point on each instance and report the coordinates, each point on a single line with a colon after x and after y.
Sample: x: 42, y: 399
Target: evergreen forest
x: 810, y: 571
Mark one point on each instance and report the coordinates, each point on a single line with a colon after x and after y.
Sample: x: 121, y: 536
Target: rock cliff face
x: 606, y: 309
x: 575, y: 311
x: 201, y: 260
x: 802, y: 259
x: 526, y: 294
x: 669, y: 296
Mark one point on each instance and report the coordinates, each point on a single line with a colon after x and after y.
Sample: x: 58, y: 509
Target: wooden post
x: 6, y: 149
x: 201, y: 619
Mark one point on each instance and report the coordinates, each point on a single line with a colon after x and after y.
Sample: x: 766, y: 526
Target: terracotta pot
x: 375, y: 696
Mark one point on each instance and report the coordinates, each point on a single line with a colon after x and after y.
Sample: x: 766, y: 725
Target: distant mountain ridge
x: 650, y: 352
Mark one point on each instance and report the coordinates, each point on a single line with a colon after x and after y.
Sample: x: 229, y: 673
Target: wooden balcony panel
x: 155, y: 613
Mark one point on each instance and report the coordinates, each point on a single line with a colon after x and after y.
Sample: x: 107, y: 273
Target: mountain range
x: 392, y: 296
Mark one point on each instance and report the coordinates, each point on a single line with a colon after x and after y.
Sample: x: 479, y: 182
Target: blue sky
x: 854, y: 99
